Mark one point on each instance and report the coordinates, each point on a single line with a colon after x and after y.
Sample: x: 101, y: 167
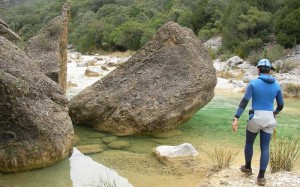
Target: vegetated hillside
x: 128, y: 24
x: 12, y: 3
x: 26, y: 17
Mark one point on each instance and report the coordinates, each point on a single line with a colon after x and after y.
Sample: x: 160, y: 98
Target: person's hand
x: 235, y: 124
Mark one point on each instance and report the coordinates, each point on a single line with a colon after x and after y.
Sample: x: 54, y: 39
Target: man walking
x: 263, y: 91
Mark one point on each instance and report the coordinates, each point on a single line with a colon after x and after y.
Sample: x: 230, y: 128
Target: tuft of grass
x: 254, y: 57
x: 240, y: 75
x: 212, y: 53
x: 284, y: 152
x: 2, y: 184
x: 287, y: 67
x: 293, y: 89
x: 225, y: 74
x: 43, y: 41
x: 55, y: 28
x: 221, y: 157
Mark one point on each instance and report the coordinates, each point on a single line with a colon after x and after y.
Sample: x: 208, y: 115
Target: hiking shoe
x: 261, y: 181
x: 245, y: 170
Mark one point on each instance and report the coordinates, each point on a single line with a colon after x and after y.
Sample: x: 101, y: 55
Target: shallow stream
x: 210, y: 127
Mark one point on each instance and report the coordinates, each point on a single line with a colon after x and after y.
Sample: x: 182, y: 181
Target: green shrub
x: 21, y: 44
x: 212, y: 53
x: 55, y: 28
x: 224, y: 54
x: 206, y: 33
x: 288, y: 41
x: 245, y: 48
x: 254, y: 57
x: 240, y: 52
x: 274, y: 52
x: 44, y: 43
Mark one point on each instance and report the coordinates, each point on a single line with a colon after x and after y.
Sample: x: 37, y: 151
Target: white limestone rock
x: 234, y: 61
x: 93, y: 71
x: 167, y: 153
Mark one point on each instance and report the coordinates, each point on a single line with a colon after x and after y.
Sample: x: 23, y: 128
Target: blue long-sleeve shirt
x: 263, y: 91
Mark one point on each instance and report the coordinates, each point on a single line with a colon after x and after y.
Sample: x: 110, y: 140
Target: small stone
x: 71, y: 84
x: 118, y: 145
x: 93, y: 148
x: 109, y: 139
x: 93, y: 71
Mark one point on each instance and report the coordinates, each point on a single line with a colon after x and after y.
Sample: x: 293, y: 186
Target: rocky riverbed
x: 227, y: 177
x: 233, y: 177
x: 235, y: 73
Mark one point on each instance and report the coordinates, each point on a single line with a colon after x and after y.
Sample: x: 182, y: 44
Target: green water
x: 209, y: 127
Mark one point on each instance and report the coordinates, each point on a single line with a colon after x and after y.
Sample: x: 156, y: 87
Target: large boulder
x: 49, y: 48
x: 35, y: 128
x: 164, y: 84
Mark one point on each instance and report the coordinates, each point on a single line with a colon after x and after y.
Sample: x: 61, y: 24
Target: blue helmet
x: 265, y: 62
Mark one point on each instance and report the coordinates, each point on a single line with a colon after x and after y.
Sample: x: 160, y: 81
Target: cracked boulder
x: 163, y: 85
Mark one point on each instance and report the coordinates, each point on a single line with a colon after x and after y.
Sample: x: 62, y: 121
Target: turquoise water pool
x: 211, y: 126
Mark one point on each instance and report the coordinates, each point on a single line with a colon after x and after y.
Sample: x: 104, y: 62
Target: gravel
x: 233, y: 177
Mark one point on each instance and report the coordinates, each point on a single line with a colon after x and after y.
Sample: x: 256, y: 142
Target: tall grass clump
x: 287, y: 67
x: 43, y: 41
x: 284, y: 152
x: 293, y: 89
x: 221, y: 157
x: 212, y: 53
x: 225, y: 74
